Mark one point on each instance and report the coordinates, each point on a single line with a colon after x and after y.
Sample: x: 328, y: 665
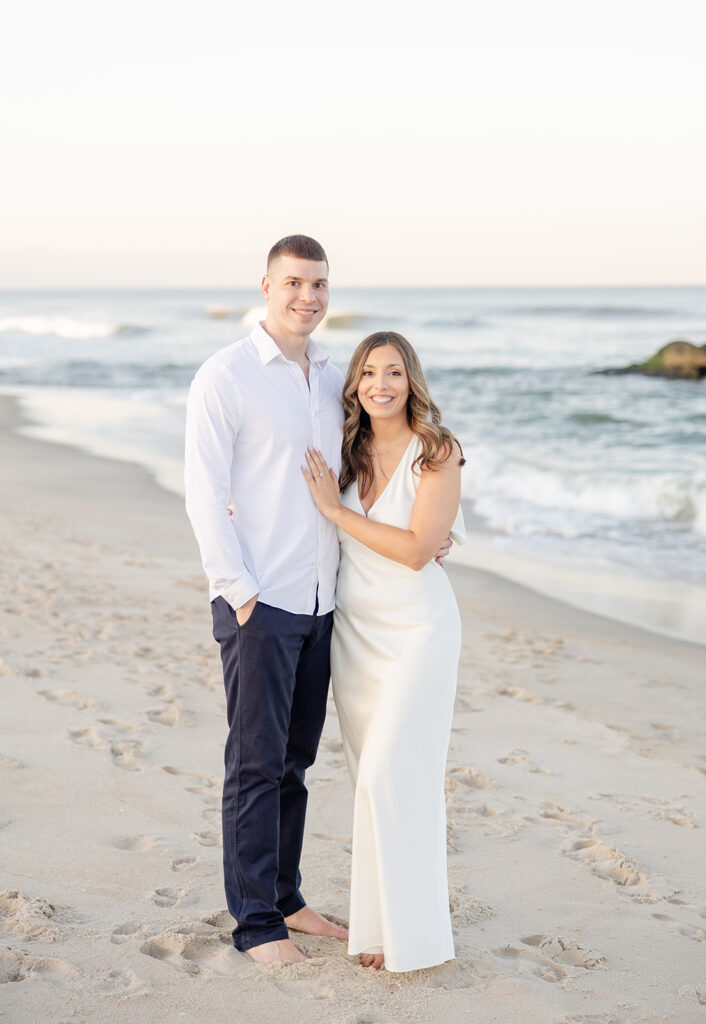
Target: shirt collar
x: 268, y: 349
x: 316, y: 354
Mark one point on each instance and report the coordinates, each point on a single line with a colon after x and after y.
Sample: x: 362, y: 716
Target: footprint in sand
x: 517, y: 693
x: 565, y: 951
x: 681, y: 820
x: 689, y: 931
x: 161, y: 690
x: 115, y: 983
x: 467, y: 776
x: 173, y: 713
x: 533, y: 962
x: 301, y: 981
x: 221, y: 920
x: 212, y: 813
x: 200, y: 782
x: 139, y: 844
x: 199, y: 949
x: 128, y: 932
x: 121, y: 728
x: 33, y: 673
x: 124, y: 754
x: 69, y: 697
x: 208, y: 837
x: 182, y: 863
x: 607, y: 862
x: 169, y: 715
x: 17, y: 966
x: 170, y: 897
x: 516, y: 756
x: 662, y: 810
x: 551, y: 811
x: 87, y: 737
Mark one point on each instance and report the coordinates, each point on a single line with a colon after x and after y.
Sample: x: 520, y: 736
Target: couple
x: 271, y: 425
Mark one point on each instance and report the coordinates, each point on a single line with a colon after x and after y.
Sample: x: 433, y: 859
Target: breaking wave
x: 523, y: 500
x: 66, y: 327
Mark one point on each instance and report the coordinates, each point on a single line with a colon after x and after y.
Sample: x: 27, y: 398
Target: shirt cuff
x: 240, y: 591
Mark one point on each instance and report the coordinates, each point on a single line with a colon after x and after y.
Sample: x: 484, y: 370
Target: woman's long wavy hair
x: 423, y: 415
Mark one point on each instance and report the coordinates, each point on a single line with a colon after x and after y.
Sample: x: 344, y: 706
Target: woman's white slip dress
x: 394, y: 661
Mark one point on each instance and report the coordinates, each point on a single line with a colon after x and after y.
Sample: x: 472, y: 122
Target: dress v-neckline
x: 403, y: 456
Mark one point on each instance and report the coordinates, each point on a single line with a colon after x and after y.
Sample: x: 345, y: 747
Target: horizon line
x: 367, y: 287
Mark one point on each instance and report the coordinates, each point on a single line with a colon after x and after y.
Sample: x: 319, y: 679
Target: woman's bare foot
x: 281, y: 951
x: 308, y: 921
x: 375, y: 960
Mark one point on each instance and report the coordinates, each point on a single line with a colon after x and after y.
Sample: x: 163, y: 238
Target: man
x: 253, y: 409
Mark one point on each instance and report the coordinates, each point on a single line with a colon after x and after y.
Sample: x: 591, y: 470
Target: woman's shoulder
x: 440, y: 452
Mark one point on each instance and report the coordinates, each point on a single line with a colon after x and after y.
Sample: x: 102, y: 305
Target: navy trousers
x: 276, y: 670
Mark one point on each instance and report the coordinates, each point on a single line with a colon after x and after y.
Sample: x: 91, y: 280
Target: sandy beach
x: 575, y: 790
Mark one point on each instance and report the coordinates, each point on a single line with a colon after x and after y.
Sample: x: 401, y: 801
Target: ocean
x: 590, y: 488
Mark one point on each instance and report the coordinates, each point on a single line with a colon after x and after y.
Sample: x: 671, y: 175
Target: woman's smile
x: 384, y: 386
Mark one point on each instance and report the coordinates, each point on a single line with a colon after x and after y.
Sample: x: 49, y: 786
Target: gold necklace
x: 386, y: 452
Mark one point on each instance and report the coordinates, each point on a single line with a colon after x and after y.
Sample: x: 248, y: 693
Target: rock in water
x: 678, y: 359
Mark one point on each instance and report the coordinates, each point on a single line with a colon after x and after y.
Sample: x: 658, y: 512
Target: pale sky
x: 460, y: 142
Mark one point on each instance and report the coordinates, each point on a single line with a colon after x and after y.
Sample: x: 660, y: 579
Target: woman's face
x: 383, y: 388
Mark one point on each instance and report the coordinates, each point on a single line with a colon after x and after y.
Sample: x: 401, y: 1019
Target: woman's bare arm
x: 433, y: 514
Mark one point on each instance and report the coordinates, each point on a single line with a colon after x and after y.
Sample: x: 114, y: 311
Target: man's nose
x: 307, y: 293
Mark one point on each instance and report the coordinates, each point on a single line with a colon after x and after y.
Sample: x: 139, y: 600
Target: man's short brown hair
x: 300, y: 246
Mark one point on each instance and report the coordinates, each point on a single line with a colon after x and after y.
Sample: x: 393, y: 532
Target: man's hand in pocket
x: 243, y: 613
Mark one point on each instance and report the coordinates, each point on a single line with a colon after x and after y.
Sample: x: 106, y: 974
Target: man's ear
x: 265, y: 287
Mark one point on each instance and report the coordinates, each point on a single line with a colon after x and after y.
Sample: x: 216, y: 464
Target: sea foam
x: 523, y: 500
x: 61, y: 327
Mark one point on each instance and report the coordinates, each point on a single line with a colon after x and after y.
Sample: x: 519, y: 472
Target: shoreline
x: 575, y: 792
x: 669, y: 608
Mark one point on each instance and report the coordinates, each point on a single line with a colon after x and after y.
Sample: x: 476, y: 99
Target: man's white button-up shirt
x: 250, y: 418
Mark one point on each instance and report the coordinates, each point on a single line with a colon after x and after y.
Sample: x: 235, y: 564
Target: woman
x: 395, y: 648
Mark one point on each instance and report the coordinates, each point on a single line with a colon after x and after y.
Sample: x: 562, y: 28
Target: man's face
x: 297, y: 294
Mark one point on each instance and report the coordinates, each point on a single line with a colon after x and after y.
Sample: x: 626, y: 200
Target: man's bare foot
x: 308, y: 921
x: 375, y: 960
x: 281, y: 951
